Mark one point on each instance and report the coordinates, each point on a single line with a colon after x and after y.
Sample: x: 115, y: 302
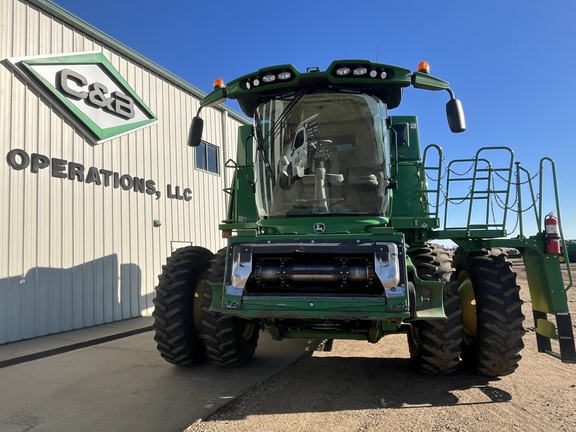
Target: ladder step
x: 546, y: 329
x: 566, y: 337
x: 563, y: 333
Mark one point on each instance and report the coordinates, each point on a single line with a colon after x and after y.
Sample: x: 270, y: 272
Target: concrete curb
x: 46, y: 346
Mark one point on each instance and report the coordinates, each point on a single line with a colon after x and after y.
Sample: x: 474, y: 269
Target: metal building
x: 98, y: 184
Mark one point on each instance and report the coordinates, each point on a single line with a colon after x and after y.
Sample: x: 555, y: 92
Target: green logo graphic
x: 91, y: 90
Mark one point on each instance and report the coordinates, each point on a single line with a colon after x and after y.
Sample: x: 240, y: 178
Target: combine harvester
x: 333, y: 209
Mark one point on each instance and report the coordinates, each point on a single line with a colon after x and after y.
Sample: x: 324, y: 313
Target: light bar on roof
x: 268, y: 77
x: 362, y: 71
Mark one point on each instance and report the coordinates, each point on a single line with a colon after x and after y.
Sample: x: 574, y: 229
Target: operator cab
x: 322, y: 139
x: 323, y: 152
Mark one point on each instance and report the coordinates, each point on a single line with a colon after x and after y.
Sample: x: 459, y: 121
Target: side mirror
x: 195, y: 133
x: 455, y: 115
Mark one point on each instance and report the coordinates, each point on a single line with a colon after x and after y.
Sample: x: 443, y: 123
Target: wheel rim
x: 248, y: 331
x: 468, y: 300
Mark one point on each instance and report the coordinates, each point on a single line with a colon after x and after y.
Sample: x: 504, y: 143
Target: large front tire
x: 177, y: 309
x: 435, y: 344
x: 493, y: 337
x: 229, y: 340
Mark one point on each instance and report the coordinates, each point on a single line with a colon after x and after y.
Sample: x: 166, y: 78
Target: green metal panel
x: 410, y: 204
x: 407, y: 201
x: 325, y: 308
x: 242, y: 205
x: 410, y: 149
x: 332, y: 225
x: 429, y: 296
x: 407, y: 170
x: 545, y: 281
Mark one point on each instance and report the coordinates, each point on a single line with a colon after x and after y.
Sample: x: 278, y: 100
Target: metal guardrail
x: 477, y: 195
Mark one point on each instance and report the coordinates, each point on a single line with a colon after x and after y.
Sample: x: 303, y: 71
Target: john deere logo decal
x: 319, y: 228
x: 91, y: 89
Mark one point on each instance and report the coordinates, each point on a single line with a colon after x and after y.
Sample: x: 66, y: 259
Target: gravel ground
x: 360, y: 386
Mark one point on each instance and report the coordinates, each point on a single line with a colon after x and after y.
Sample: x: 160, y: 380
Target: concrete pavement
x: 45, y: 346
x: 111, y: 378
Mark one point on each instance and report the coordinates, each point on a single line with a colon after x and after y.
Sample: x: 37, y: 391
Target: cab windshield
x: 322, y: 153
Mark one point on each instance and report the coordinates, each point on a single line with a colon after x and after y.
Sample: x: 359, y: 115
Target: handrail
x: 482, y: 172
x: 557, y: 205
x: 435, y: 168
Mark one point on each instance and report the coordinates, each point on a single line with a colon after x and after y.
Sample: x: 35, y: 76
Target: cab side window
x: 299, y: 140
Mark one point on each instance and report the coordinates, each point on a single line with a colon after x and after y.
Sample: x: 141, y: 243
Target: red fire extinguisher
x: 552, y: 234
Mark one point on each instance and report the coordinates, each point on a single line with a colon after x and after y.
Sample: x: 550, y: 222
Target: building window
x: 207, y: 157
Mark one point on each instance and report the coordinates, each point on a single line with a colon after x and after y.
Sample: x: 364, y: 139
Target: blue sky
x: 510, y: 63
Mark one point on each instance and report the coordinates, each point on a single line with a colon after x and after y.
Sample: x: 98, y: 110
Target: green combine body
x: 332, y: 213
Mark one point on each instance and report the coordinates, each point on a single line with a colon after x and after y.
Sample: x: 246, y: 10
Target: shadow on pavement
x: 329, y: 384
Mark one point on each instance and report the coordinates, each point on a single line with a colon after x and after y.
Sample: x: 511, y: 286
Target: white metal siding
x: 77, y: 254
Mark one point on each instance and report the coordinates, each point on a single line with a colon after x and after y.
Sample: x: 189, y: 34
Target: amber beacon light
x: 424, y: 67
x: 218, y: 83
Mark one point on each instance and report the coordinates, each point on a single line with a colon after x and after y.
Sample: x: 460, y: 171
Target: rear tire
x: 229, y: 340
x: 176, y: 320
x: 494, y: 349
x: 435, y: 344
